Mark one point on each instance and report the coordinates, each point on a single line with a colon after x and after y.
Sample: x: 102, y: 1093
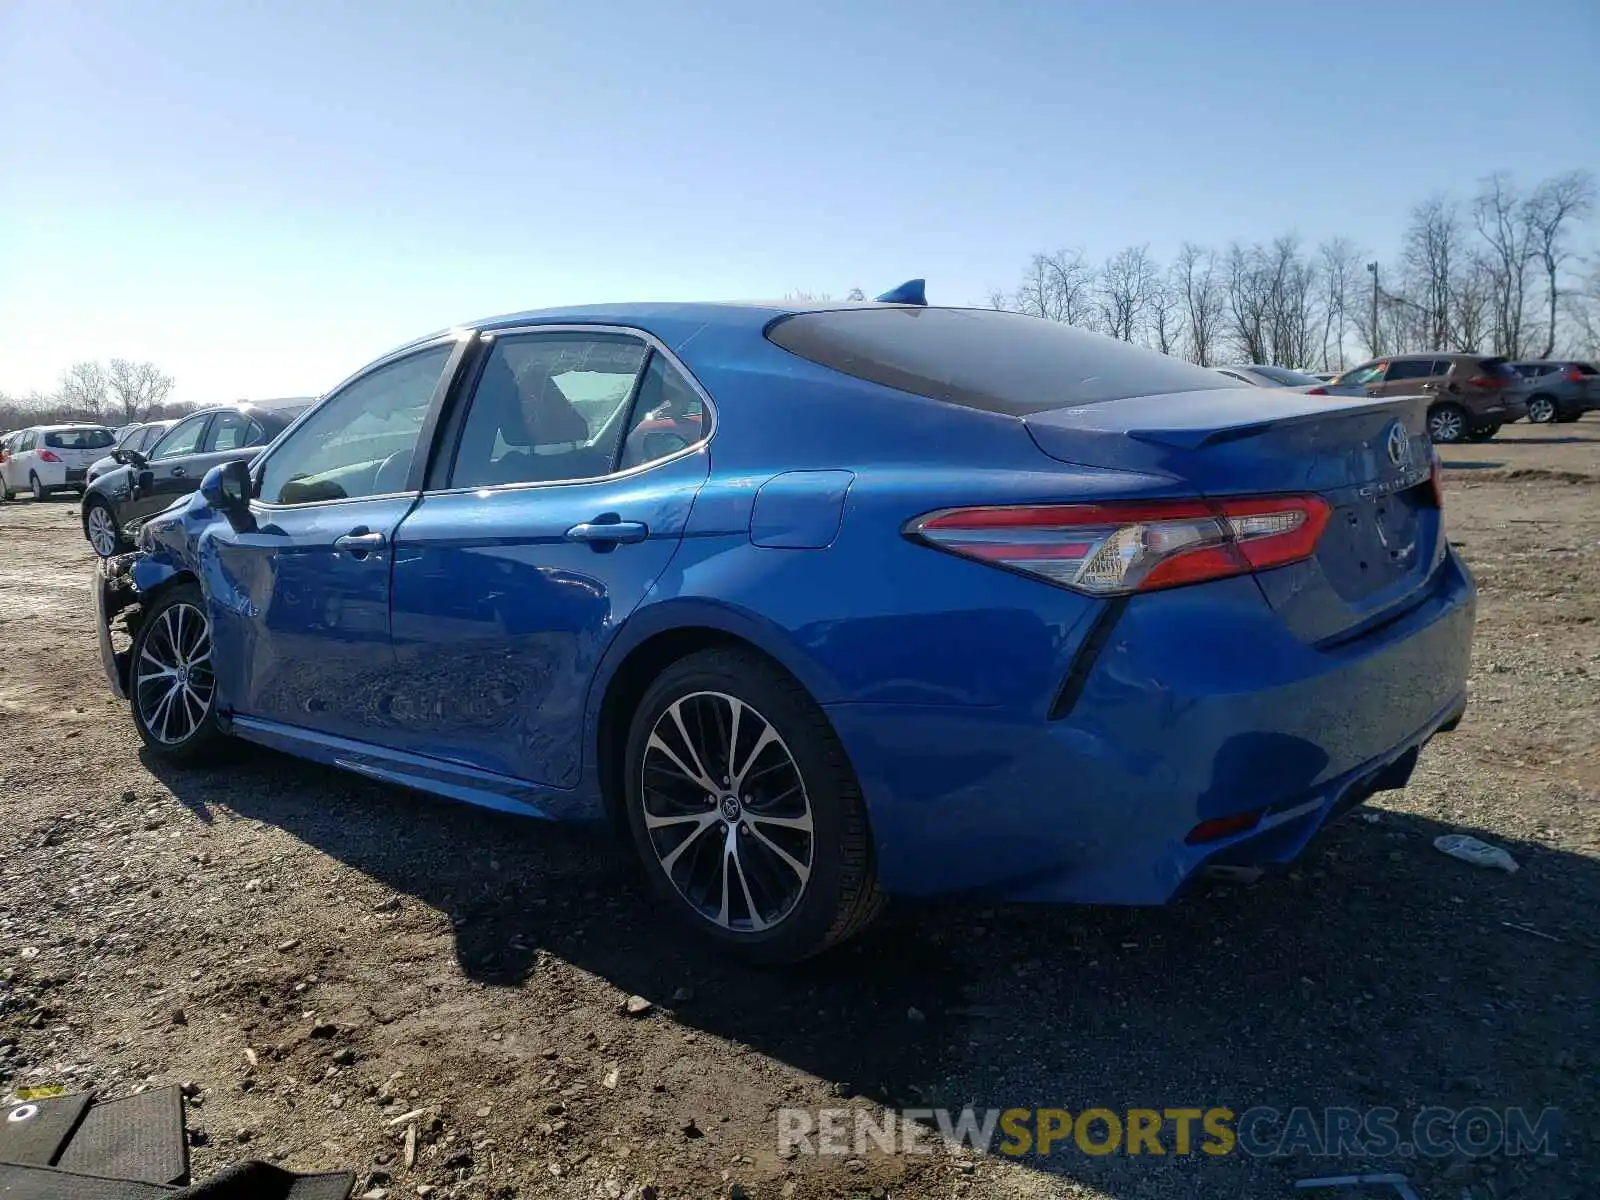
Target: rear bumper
x: 1194, y: 710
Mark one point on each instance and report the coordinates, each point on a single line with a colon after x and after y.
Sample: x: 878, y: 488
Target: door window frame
x: 442, y: 460
x: 463, y: 341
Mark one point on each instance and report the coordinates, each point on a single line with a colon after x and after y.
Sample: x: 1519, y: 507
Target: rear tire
x: 172, y: 688
x: 1543, y: 409
x: 39, y: 493
x: 1447, y: 424
x: 760, y: 848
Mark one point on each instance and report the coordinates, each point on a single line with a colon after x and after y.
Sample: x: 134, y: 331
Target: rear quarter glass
x: 985, y: 359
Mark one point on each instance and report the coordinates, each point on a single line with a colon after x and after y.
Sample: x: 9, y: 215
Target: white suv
x: 52, y: 458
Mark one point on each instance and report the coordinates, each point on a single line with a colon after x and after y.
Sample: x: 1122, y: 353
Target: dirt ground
x: 318, y: 955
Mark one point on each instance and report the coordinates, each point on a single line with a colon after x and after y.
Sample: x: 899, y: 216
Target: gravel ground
x: 316, y: 955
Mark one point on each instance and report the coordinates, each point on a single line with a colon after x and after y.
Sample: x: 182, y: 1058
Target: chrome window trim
x: 657, y: 346
x: 259, y: 463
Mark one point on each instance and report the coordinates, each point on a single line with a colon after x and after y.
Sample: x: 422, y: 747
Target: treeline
x: 119, y: 392
x: 1498, y: 273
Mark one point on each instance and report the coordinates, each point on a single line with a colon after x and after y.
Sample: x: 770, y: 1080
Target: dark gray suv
x: 1558, y: 389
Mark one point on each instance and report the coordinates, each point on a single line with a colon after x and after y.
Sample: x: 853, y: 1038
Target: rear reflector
x: 1221, y: 827
x: 1119, y: 548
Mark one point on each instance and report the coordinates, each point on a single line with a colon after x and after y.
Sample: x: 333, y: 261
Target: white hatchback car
x: 52, y: 458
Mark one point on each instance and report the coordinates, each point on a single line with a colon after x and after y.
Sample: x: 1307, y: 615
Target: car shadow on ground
x: 1378, y: 972
x: 1472, y: 466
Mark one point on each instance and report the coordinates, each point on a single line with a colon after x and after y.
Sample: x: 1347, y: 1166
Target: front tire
x: 1447, y: 424
x: 1543, y: 410
x: 745, y: 811
x: 172, y: 685
x: 100, y: 527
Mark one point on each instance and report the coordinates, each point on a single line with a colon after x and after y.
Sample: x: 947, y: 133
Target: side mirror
x: 227, y: 488
x: 130, y: 458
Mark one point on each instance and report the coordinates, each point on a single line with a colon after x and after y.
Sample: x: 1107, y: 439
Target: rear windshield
x: 80, y: 439
x: 1287, y: 377
x: 979, y: 358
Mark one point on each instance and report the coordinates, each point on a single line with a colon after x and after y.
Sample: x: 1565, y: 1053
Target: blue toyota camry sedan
x: 821, y: 604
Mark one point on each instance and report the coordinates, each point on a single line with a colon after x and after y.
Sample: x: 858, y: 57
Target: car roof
x: 63, y: 428
x: 662, y: 318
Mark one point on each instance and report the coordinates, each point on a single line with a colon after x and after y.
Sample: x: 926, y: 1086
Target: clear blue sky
x: 262, y: 196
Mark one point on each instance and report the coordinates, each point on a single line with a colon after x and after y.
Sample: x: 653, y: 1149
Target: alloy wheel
x: 1541, y: 410
x: 1446, y: 425
x: 726, y: 812
x: 102, y: 531
x: 174, y: 681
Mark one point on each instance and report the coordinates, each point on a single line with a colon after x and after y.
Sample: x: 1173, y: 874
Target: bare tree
x: 1166, y: 315
x: 1430, y: 261
x: 1472, y: 302
x: 1037, y: 295
x: 1555, y: 203
x: 855, y: 294
x: 1340, y: 274
x: 83, y: 390
x: 1501, y: 219
x: 1058, y: 287
x: 138, y: 387
x: 1290, y: 282
x: 1247, y: 302
x: 1195, y: 281
x: 1127, y: 282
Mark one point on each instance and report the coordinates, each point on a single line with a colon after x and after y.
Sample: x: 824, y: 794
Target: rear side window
x: 231, y: 431
x: 80, y: 439
x: 548, y: 407
x: 1409, y: 369
x: 996, y: 361
x: 1584, y: 369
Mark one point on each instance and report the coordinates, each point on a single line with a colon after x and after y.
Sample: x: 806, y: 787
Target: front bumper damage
x: 116, y: 617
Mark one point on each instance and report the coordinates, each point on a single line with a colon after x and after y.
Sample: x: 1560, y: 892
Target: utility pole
x: 1373, y: 267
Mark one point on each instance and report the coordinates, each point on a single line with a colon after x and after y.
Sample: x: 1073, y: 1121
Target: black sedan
x: 118, y: 502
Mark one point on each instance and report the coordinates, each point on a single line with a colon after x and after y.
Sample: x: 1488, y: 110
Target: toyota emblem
x: 1399, y: 444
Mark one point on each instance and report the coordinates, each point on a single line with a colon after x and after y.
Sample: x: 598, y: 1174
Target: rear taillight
x: 1317, y: 391
x: 1574, y: 375
x: 49, y: 456
x: 1486, y: 381
x: 1436, y: 480
x: 1115, y: 549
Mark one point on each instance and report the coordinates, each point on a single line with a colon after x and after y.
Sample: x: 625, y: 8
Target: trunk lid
x: 1369, y: 459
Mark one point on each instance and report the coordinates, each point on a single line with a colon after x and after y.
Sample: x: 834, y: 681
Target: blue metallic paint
x: 485, y: 679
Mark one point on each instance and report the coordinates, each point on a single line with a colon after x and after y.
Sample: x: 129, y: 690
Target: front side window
x: 182, y: 438
x: 362, y: 440
x: 1362, y: 375
x: 548, y: 407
